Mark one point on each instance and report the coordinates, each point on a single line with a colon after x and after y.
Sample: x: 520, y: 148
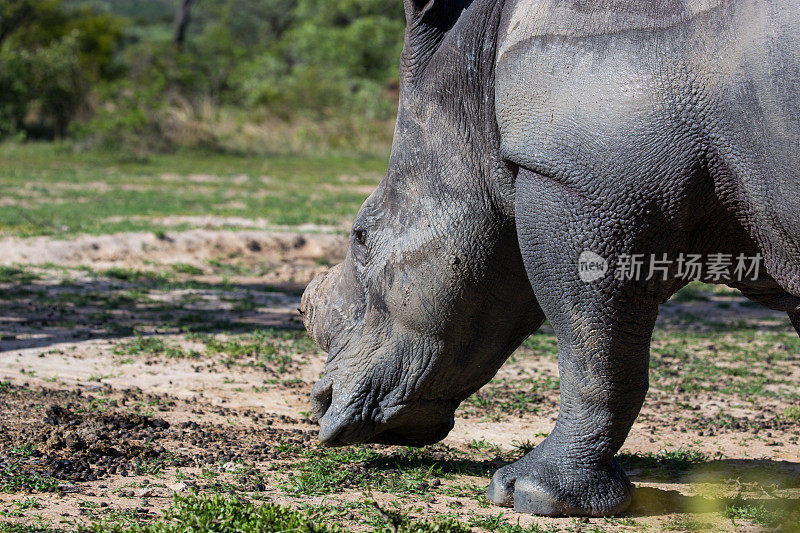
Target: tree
x: 17, y: 14
x: 50, y: 57
x: 182, y: 17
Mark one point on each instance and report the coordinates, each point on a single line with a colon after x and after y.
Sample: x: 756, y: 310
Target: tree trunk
x: 182, y: 16
x: 14, y: 17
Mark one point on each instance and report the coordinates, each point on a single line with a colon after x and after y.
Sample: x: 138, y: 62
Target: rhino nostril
x: 304, y: 305
x: 315, y: 306
x: 308, y: 300
x: 321, y: 398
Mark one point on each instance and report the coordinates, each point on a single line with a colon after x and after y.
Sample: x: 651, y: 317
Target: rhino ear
x: 427, y: 22
x: 414, y: 8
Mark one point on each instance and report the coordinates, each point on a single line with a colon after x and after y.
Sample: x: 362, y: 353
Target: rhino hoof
x: 538, y: 489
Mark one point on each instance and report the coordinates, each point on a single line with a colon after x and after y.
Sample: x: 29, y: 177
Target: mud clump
x: 75, y: 442
x: 51, y: 441
x: 84, y: 446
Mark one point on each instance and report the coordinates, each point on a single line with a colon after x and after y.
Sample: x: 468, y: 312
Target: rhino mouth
x: 421, y: 437
x: 416, y: 423
x: 416, y: 436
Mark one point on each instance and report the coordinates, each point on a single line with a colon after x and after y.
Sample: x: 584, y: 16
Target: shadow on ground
x: 782, y: 474
x: 650, y: 501
x: 455, y: 465
x: 36, y: 315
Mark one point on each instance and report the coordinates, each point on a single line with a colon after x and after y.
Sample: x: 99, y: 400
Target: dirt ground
x: 137, y: 366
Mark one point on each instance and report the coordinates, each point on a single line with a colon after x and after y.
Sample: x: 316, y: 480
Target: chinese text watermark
x: 689, y: 267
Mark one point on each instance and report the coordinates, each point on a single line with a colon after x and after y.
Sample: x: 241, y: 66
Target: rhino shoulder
x: 528, y: 19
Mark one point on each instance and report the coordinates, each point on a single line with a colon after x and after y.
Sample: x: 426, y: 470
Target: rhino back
x: 626, y: 95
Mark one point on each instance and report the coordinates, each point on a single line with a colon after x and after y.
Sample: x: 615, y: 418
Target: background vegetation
x: 246, y: 76
x: 208, y: 158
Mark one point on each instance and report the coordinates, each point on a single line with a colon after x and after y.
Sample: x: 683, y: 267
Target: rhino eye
x: 360, y: 236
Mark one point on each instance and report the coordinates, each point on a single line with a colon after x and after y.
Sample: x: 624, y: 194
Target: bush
x: 252, y: 75
x: 46, y: 87
x: 49, y: 60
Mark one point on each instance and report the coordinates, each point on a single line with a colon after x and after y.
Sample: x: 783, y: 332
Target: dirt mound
x: 80, y: 438
x: 72, y: 443
x: 195, y: 247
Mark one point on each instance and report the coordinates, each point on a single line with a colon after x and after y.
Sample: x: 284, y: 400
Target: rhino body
x: 531, y: 133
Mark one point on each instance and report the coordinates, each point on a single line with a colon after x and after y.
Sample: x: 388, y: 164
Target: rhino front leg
x: 604, y: 329
x: 795, y: 318
x: 603, y: 384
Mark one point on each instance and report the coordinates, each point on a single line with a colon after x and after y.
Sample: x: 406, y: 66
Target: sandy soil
x: 197, y: 247
x: 123, y: 431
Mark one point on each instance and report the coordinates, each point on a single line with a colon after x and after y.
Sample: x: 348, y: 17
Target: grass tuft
x: 666, y: 464
x: 217, y: 513
x: 9, y: 274
x: 13, y: 479
x: 142, y: 345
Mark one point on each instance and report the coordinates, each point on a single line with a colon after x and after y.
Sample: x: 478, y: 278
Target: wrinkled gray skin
x: 528, y: 132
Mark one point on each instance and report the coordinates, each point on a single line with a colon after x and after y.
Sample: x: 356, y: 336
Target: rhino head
x: 432, y: 296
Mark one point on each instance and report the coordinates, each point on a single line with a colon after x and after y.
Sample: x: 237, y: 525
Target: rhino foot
x: 539, y: 487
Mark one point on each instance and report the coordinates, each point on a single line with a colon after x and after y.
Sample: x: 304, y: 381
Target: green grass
x: 218, y: 513
x: 325, y: 471
x: 693, y: 292
x: 191, y: 270
x: 498, y: 403
x: 330, y: 471
x: 9, y: 274
x: 135, y: 301
x: 498, y: 523
x: 783, y: 514
x: 141, y: 345
x: 21, y: 450
x: 13, y: 479
x: 260, y: 347
x: 730, y: 362
x: 134, y: 276
x: 741, y: 510
x: 697, y: 291
x: 686, y: 524
x: 40, y: 526
x: 504, y: 398
x: 62, y: 192
x: 792, y: 413
x: 542, y: 344
x: 669, y: 465
x: 29, y: 503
